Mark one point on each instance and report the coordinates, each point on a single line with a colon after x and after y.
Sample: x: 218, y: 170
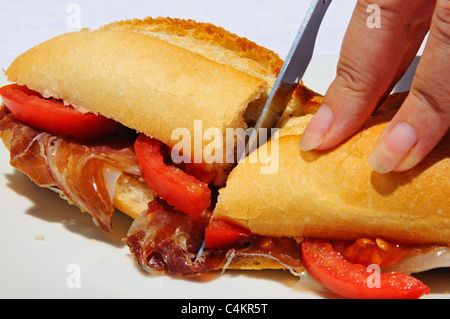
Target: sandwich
x: 120, y: 118
x: 82, y: 103
x: 85, y: 109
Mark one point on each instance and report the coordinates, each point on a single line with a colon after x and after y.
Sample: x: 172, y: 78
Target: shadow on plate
x: 49, y: 207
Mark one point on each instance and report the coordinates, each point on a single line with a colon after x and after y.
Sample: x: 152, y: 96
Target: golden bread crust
x: 267, y: 62
x: 222, y: 46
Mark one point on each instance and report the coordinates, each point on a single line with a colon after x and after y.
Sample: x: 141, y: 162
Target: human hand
x: 374, y: 59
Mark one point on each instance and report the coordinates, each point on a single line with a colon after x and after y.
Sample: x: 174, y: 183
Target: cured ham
x: 164, y: 240
x: 83, y: 172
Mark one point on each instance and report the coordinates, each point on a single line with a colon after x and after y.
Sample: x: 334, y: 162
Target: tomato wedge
x: 220, y: 234
x: 185, y: 192
x: 52, y: 115
x: 349, y: 280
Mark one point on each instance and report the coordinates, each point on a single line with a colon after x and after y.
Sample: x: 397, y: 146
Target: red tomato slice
x: 220, y: 234
x: 349, y: 280
x: 52, y: 115
x: 185, y: 192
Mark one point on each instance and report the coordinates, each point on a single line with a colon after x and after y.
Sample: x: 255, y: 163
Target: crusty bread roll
x: 155, y: 75
x: 105, y: 71
x: 131, y: 195
x: 144, y: 83
x: 154, y: 81
x: 219, y: 45
x: 336, y: 195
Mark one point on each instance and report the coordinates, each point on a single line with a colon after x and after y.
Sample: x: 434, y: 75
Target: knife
x: 291, y: 73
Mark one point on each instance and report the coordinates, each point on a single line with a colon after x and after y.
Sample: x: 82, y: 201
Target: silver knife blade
x: 291, y: 73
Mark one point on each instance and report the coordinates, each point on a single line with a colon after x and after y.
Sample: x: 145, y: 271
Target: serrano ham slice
x: 164, y: 240
x: 83, y: 172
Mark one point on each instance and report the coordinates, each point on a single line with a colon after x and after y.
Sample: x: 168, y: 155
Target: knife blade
x: 291, y: 73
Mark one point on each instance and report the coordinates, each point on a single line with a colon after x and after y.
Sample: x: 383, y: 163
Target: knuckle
x: 382, y: 3
x: 400, y: 12
x: 443, y: 9
x: 431, y: 104
x: 352, y: 77
x: 389, y: 8
x: 441, y: 21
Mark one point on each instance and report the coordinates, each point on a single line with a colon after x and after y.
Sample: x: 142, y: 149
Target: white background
x: 272, y: 24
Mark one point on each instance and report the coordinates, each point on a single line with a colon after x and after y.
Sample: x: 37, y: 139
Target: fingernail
x: 393, y: 148
x: 317, y: 129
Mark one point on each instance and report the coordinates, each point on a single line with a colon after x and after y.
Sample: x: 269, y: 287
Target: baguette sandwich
x: 80, y: 101
x: 137, y: 82
x: 85, y: 108
x: 322, y: 215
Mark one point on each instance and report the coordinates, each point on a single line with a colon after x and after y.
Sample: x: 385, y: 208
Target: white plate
x: 51, y: 250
